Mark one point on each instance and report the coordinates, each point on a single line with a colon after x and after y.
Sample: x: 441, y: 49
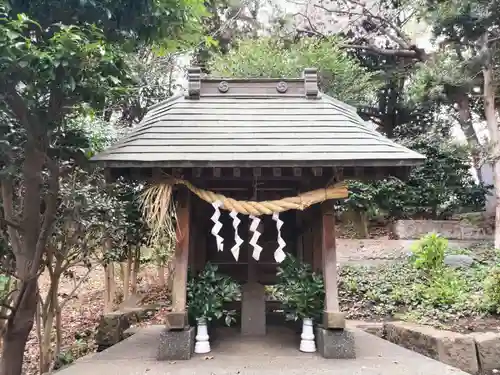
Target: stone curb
x: 475, y: 353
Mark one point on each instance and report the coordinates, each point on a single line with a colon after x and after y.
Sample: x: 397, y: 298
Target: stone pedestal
x: 336, y: 344
x: 176, y: 345
x: 253, y: 310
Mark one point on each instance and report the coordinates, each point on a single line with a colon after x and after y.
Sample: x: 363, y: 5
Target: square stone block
x: 176, y: 345
x: 335, y: 343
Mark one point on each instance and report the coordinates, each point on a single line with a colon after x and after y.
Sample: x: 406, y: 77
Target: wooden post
x: 317, y: 240
x: 332, y: 317
x: 177, y: 319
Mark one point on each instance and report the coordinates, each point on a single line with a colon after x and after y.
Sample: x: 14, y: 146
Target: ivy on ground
x: 404, y: 291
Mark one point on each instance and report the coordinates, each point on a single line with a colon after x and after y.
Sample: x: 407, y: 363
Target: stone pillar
x: 253, y: 309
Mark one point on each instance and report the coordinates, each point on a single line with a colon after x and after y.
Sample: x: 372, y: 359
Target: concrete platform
x: 276, y: 353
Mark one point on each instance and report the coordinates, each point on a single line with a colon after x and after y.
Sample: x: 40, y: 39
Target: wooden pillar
x: 332, y: 317
x: 177, y: 318
x: 198, y: 236
x: 317, y: 245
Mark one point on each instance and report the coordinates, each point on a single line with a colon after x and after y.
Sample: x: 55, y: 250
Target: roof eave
x: 259, y: 163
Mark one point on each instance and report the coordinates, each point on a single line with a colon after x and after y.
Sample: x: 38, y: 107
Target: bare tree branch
x: 400, y: 38
x: 18, y: 107
x: 408, y: 53
x: 11, y: 224
x: 50, y: 211
x: 312, y: 28
x: 72, y: 293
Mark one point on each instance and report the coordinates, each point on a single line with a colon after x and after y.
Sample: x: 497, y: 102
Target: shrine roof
x: 254, y: 122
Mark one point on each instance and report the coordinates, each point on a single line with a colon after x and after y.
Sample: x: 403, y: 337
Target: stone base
x: 334, y: 320
x: 176, y: 345
x: 336, y: 344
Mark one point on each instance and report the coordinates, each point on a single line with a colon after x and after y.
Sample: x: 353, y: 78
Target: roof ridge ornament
x: 194, y: 82
x: 311, y: 83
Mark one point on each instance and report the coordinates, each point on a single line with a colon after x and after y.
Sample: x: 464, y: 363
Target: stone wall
x: 450, y: 229
x: 115, y: 326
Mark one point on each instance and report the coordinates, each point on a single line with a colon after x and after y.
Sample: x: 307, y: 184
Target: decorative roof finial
x: 311, y: 83
x: 194, y: 83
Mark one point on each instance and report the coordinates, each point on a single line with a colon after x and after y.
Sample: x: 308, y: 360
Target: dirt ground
x: 81, y: 314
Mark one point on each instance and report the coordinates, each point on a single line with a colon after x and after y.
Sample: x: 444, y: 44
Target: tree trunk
x: 48, y: 316
x: 491, y: 120
x: 18, y: 329
x: 39, y: 336
x: 107, y: 302
x: 110, y: 292
x: 161, y: 275
x: 135, y: 270
x: 45, y: 345
x: 57, y: 350
x: 127, y: 268
x: 466, y: 124
x: 112, y: 285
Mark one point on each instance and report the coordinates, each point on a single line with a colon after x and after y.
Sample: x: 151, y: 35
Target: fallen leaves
x: 82, y: 313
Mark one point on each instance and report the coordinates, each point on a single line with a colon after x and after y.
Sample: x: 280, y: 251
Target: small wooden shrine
x: 255, y: 140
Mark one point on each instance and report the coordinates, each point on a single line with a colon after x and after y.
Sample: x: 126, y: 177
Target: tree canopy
x: 340, y: 75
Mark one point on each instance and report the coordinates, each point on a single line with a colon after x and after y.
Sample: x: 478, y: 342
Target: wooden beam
x: 108, y: 175
x: 177, y: 319
x: 338, y: 173
x: 359, y: 172
x: 177, y: 172
x: 332, y: 317
x: 157, y: 175
x: 317, y: 171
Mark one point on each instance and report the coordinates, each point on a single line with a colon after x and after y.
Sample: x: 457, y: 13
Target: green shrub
x: 207, y: 292
x: 429, y: 251
x: 444, y: 289
x: 492, y: 290
x: 301, y: 289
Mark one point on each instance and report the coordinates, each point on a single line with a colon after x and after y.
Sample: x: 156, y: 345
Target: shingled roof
x: 254, y: 122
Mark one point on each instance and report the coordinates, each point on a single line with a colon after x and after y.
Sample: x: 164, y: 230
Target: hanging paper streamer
x: 279, y: 254
x: 217, y: 225
x: 237, y: 239
x: 255, y: 237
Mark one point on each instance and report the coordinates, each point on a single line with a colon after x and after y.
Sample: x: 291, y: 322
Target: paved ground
x: 375, y: 251
x: 274, y: 354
